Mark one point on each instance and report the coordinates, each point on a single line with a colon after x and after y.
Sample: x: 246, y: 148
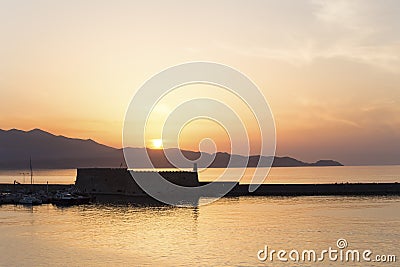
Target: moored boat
x: 30, y: 200
x: 67, y: 199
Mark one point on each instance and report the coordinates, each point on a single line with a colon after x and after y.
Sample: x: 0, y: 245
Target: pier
x: 105, y: 183
x: 338, y: 189
x: 34, y: 188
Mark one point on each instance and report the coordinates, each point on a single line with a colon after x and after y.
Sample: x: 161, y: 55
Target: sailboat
x: 29, y: 199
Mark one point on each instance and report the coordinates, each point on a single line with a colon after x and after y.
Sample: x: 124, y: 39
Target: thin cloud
x: 366, y: 32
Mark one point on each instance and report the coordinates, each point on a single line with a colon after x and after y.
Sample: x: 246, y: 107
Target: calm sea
x: 229, y: 232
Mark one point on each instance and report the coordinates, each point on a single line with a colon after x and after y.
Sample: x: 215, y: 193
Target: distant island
x: 49, y: 151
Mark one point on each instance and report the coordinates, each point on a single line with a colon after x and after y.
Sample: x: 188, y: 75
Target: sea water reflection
x: 228, y: 232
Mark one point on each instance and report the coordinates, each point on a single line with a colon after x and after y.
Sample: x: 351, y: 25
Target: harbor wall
x: 320, y: 189
x: 106, y: 181
x: 27, y: 188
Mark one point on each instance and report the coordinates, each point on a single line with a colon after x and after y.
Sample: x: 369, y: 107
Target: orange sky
x: 330, y: 70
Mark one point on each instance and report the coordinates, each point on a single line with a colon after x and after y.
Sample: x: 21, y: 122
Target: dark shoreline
x: 339, y: 189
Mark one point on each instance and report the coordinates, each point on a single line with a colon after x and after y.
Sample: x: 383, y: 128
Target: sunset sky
x: 330, y: 70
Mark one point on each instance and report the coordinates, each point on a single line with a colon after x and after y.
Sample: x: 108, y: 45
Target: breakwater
x: 119, y: 183
x: 340, y: 189
x: 28, y: 188
x: 242, y: 189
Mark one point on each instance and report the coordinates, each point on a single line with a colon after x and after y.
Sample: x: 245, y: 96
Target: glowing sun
x: 157, y: 143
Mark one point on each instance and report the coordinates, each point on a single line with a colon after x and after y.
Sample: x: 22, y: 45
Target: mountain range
x: 48, y: 151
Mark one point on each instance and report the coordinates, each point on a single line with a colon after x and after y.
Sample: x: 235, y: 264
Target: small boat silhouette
x: 30, y: 200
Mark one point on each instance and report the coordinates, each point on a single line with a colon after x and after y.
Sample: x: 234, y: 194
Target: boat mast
x: 30, y: 167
